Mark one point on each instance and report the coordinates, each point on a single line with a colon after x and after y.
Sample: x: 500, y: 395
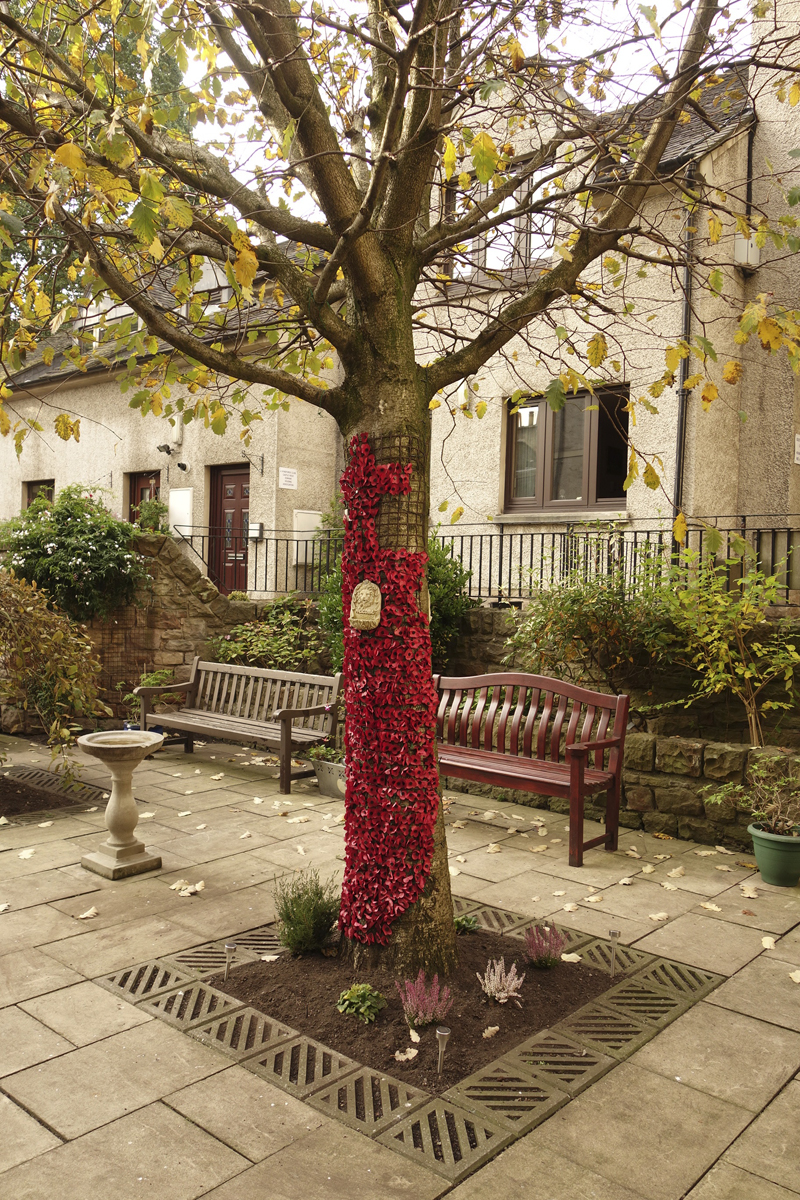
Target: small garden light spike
x: 613, y: 934
x: 230, y: 950
x: 442, y: 1034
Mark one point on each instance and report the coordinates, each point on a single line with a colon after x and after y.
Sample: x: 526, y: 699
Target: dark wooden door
x: 230, y: 519
x: 144, y: 485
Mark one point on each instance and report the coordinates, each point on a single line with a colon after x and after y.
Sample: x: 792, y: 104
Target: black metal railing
x: 509, y: 567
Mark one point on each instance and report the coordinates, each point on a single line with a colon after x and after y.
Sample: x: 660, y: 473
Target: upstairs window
x: 39, y: 487
x: 573, y: 459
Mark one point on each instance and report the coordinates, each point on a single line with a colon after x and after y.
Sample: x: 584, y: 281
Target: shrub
x: 770, y: 793
x: 499, y: 984
x: 466, y: 923
x: 284, y: 638
x: 363, y: 1001
x: 423, y: 1004
x: 152, y: 515
x: 238, y: 594
x: 307, y: 911
x: 544, y: 945
x: 75, y: 549
x: 47, y: 664
x: 331, y: 624
x: 158, y: 678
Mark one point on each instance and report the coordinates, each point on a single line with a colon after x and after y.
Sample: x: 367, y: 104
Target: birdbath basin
x: 121, y: 751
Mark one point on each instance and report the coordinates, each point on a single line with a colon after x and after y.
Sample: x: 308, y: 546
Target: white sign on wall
x: 180, y: 509
x: 287, y: 478
x: 797, y: 449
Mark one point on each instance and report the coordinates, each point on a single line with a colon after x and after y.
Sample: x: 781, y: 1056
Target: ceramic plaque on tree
x: 365, y: 606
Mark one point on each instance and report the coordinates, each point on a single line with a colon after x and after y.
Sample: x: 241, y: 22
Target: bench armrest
x: 582, y: 748
x: 155, y: 691
x: 286, y: 714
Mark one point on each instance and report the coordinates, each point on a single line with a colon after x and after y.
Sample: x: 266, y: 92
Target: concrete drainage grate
x: 573, y: 939
x: 243, y: 1034
x: 613, y: 1033
x: 144, y: 981
x: 506, y: 1092
x: 496, y: 920
x: 560, y: 1061
x: 634, y: 998
x: 368, y: 1101
x: 301, y: 1067
x: 191, y: 1005
x: 598, y: 955
x: 208, y: 959
x: 263, y: 940
x: 680, y: 979
x: 447, y: 1139
x: 461, y: 906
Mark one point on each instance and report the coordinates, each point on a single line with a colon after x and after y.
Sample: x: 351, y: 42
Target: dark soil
x: 18, y: 798
x: 303, y: 990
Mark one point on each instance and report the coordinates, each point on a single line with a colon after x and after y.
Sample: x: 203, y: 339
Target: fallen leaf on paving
x: 748, y: 892
x: 246, y: 834
x: 412, y: 1033
x: 670, y: 887
x: 768, y: 943
x: 659, y: 916
x: 515, y: 817
x: 454, y: 871
x: 178, y: 884
x: 270, y: 957
x: 106, y: 795
x: 537, y: 849
x: 326, y: 816
x: 626, y: 882
x: 298, y: 820
x: 90, y: 912
x: 4, y: 907
x: 490, y: 1031
x: 570, y: 958
x: 197, y: 769
x: 490, y: 812
x: 554, y: 841
x: 794, y: 976
x: 542, y: 831
x: 745, y: 862
x: 142, y: 816
x: 458, y: 825
x: 534, y: 899
x: 220, y: 776
x: 177, y: 774
x: 570, y: 908
x: 676, y: 873
x: 722, y: 850
x: 666, y: 837
x: 648, y: 869
x: 4, y: 820
x: 592, y: 899
x: 192, y: 889
x: 92, y: 809
x: 189, y: 792
x: 460, y: 858
x: 721, y: 867
x: 632, y: 854
x: 406, y: 1055
x: 493, y: 848
x: 203, y: 826
x: 45, y: 824
x: 748, y: 912
x: 301, y: 850
x: 25, y: 854
x: 705, y: 853
x: 339, y: 820
x: 561, y: 893
x: 187, y: 812
x: 661, y: 857
x: 711, y: 907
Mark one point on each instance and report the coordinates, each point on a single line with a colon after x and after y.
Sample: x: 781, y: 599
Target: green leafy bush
x: 157, y: 678
x: 466, y: 924
x: 47, y: 664
x: 331, y: 624
x: 75, y: 549
x: 284, y: 638
x: 362, y: 1001
x: 770, y: 794
x: 152, y: 515
x: 307, y: 911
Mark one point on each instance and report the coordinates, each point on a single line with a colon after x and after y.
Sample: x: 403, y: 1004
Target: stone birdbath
x: 122, y: 854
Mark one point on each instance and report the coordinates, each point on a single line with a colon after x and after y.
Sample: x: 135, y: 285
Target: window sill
x: 554, y: 516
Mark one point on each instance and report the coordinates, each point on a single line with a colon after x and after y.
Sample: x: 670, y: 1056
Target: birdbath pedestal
x: 122, y: 854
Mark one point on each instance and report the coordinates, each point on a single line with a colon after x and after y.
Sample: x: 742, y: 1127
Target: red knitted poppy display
x: 392, y: 779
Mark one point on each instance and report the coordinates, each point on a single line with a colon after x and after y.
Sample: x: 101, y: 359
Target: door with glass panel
x: 230, y: 520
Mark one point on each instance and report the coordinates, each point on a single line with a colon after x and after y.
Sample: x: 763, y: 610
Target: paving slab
x: 700, y: 874
x: 702, y: 942
x: 30, y: 973
x: 531, y: 893
x: 600, y: 868
x: 25, y: 1041
x: 598, y: 923
x: 529, y: 1171
x: 774, y: 911
x: 155, y: 1153
x: 246, y: 1113
x: 62, y: 828
x: 771, y: 1146
x: 725, y: 1182
x: 644, y: 1132
x: 207, y: 844
x: 43, y: 888
x: 787, y: 949
x: 99, y: 951
x: 125, y: 900
x: 105, y: 1080
x: 34, y: 927
x: 725, y: 1054
x: 44, y: 858
x: 765, y: 990
x: 229, y: 874
x: 210, y: 916
x: 23, y: 1137
x: 640, y: 898
x: 333, y: 1163
x: 84, y: 1013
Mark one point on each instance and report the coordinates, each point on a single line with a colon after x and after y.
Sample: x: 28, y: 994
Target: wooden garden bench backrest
x: 530, y: 716
x: 255, y: 694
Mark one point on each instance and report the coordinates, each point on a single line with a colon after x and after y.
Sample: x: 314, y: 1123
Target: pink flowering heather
x: 544, y: 945
x: 423, y: 1004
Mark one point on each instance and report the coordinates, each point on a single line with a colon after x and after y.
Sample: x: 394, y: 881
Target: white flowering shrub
x: 78, y: 552
x: 499, y: 984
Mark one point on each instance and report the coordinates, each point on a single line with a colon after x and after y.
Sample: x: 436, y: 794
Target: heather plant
x: 307, y: 911
x: 362, y: 1001
x: 423, y: 1003
x: 544, y: 945
x: 499, y: 984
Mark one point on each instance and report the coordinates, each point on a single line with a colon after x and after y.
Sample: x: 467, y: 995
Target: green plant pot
x: 777, y: 855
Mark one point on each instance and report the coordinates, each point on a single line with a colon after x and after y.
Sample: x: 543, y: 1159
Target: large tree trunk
x: 396, y: 903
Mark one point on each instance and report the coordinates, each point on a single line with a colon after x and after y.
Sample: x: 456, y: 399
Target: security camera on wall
x: 183, y: 466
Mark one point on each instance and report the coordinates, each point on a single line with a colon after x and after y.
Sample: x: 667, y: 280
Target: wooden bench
x: 538, y: 735
x: 283, y: 710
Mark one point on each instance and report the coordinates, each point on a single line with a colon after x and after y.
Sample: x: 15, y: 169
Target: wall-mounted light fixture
x: 164, y: 448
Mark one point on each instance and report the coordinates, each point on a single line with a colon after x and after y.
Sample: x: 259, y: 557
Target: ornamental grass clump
x: 499, y: 984
x: 307, y: 911
x: 544, y: 946
x: 422, y: 1003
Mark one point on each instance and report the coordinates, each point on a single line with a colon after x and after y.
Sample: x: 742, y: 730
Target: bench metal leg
x: 188, y: 746
x: 285, y: 781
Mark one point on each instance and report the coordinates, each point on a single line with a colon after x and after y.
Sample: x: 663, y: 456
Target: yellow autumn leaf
x: 449, y: 158
x: 563, y: 252
x: 66, y: 428
x: 651, y: 477
x: 155, y: 249
x: 597, y: 350
x: 732, y: 371
x: 457, y: 515
x: 794, y: 94
x: 480, y: 409
x: 41, y: 305
x: 517, y: 56
x: 50, y: 201
x: 71, y: 156
x: 5, y: 423
x: 673, y: 355
x: 769, y: 332
x: 714, y: 228
x: 435, y: 404
x: 245, y: 267
x: 679, y: 530
x: 709, y: 394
